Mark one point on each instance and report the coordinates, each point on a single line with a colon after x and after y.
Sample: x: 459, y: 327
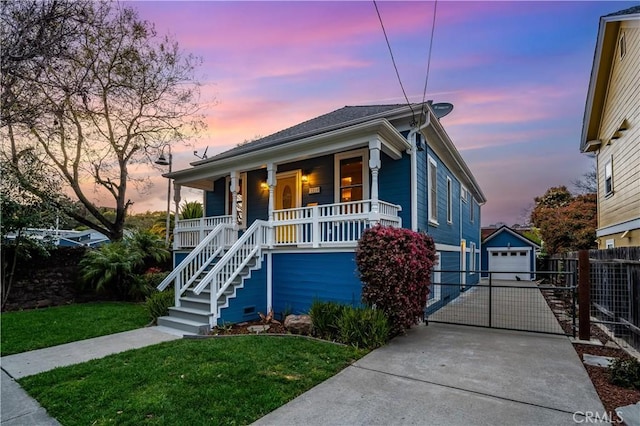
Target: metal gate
x: 538, y: 306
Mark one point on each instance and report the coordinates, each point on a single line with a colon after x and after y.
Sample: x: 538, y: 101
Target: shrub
x: 625, y: 373
x: 325, y: 317
x: 363, y: 327
x: 158, y: 304
x: 395, y: 268
x: 117, y: 268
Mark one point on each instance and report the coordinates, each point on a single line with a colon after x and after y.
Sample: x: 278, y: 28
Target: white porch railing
x: 188, y: 233
x: 331, y: 224
x: 314, y: 226
x: 199, y: 259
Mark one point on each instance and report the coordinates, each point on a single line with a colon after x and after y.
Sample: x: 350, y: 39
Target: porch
x: 327, y: 225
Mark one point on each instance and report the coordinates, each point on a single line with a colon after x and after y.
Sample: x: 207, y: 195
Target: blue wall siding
x: 394, y: 184
x: 257, y: 199
x: 423, y: 191
x: 444, y: 232
x: 299, y: 278
x: 252, y: 297
x: 215, y: 200
x: 448, y: 261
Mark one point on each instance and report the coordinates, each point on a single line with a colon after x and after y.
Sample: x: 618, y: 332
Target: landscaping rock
x: 258, y: 328
x: 298, y: 324
x: 598, y: 361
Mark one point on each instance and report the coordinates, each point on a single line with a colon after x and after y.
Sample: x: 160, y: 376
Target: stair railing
x: 247, y: 247
x: 196, y: 262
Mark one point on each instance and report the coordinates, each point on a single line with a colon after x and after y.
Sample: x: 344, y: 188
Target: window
x: 433, y: 190
x: 240, y: 205
x: 352, y: 176
x: 608, y: 178
x: 464, y: 194
x: 609, y: 244
x: 436, y: 279
x: 622, y: 46
x: 449, y: 201
x: 472, y: 264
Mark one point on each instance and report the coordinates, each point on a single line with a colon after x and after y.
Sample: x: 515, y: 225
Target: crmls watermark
x: 597, y: 417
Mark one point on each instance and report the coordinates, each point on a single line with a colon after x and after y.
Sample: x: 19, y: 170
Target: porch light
x: 304, y: 179
x: 264, y: 186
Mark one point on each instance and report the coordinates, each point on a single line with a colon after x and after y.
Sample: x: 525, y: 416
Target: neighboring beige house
x: 611, y: 127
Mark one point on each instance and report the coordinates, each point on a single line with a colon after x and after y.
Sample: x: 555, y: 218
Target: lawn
x: 230, y: 380
x: 41, y: 328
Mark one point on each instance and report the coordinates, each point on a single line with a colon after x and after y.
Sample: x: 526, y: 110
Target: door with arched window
x: 288, y: 196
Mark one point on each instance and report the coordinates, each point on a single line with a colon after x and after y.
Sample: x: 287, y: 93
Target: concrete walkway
x: 452, y: 375
x: 18, y: 408
x: 516, y: 305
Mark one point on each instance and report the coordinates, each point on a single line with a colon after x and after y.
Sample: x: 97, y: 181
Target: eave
x: 202, y: 174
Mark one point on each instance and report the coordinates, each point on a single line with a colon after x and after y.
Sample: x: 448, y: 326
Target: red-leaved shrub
x: 395, y: 269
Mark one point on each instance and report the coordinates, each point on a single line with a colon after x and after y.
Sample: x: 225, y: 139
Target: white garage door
x: 509, y: 263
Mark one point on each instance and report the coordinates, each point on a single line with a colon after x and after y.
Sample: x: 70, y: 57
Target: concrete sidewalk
x: 452, y: 375
x: 18, y: 408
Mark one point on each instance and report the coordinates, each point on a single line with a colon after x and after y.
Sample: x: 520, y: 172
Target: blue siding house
x: 283, y: 214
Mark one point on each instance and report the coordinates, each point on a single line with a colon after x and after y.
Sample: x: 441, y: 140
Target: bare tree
x: 106, y: 93
x: 588, y: 183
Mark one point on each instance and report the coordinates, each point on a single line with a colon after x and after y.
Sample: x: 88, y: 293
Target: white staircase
x: 210, y: 276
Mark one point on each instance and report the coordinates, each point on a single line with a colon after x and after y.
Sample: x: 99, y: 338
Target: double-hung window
x: 352, y: 176
x: 432, y: 171
x: 608, y: 178
x: 449, y: 201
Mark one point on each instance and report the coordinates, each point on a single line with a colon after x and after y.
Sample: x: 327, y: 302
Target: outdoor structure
x: 283, y: 213
x: 65, y: 237
x: 508, y: 254
x: 611, y: 128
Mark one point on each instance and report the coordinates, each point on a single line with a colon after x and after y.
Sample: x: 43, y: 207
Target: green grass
x: 41, y: 328
x: 233, y: 380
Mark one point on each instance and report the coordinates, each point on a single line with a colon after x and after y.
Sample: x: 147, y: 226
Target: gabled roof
x: 505, y: 228
x: 343, y: 117
x: 600, y: 71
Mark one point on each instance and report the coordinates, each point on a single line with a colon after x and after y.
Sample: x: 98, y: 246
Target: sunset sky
x: 516, y: 72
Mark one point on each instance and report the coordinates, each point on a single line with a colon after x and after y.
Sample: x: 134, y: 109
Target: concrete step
x: 195, y: 303
x: 196, y: 315
x: 188, y: 326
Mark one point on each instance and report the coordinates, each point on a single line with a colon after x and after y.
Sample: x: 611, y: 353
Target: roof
x: 486, y: 235
x: 337, y: 119
x: 605, y: 49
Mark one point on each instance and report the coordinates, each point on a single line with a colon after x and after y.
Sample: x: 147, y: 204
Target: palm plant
x: 149, y: 246
x: 191, y: 210
x: 112, y: 268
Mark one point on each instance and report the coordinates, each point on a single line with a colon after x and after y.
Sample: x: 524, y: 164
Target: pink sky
x: 516, y: 72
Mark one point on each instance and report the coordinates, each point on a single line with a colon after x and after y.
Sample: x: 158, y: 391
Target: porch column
x: 176, y: 199
x: 374, y: 166
x: 233, y: 189
x: 271, y: 182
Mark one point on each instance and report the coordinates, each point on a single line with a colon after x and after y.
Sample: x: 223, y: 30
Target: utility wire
x: 394, y: 62
x: 426, y: 79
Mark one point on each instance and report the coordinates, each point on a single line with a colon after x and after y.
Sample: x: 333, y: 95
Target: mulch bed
x: 244, y: 328
x: 611, y: 396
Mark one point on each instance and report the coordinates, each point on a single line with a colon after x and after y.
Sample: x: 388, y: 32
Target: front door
x: 288, y: 196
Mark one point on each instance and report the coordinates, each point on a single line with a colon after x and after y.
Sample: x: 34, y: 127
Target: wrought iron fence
x: 546, y: 305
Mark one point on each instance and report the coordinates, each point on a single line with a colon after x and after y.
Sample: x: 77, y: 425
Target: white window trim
x: 436, y: 279
x: 610, y: 243
x: 449, y: 200
x: 609, y: 164
x: 472, y: 266
x: 433, y: 215
x: 464, y: 194
x: 243, y: 178
x: 472, y: 210
x: 364, y: 153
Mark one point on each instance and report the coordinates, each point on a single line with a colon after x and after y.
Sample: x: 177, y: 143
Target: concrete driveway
x: 445, y: 374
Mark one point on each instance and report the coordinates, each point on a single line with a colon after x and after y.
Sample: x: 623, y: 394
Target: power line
x: 426, y: 79
x: 394, y: 61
